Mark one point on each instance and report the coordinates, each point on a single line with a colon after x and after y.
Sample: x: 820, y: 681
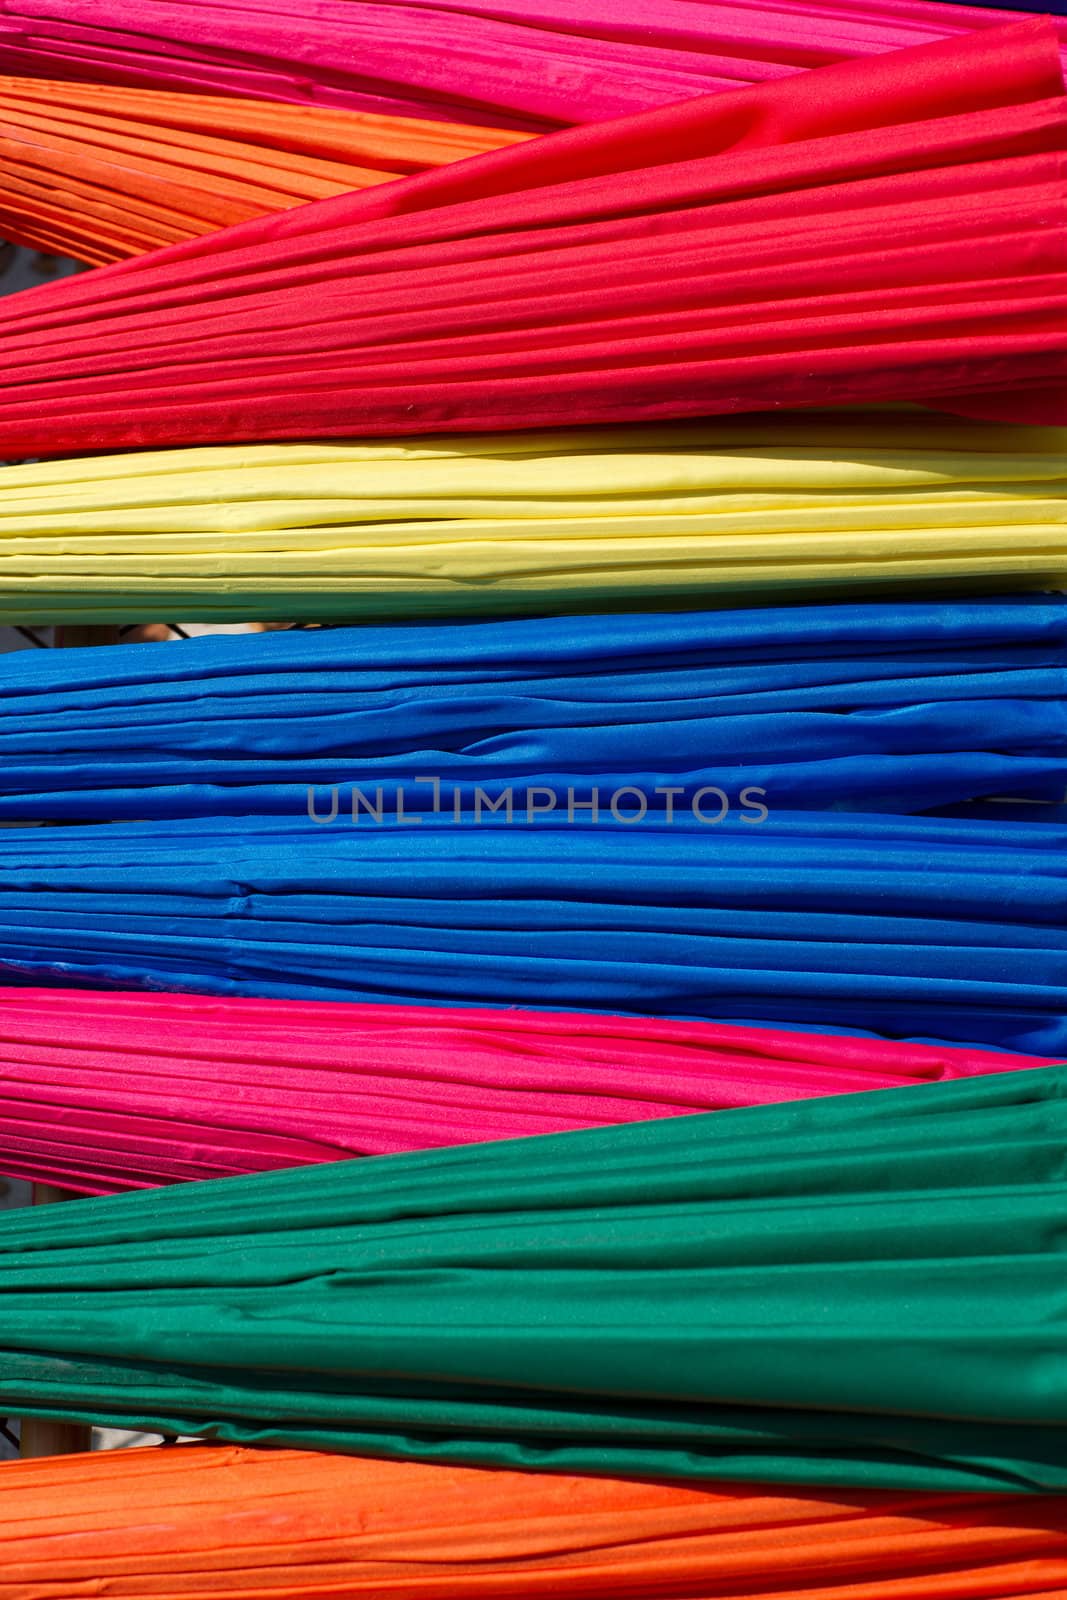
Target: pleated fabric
x: 900, y: 707
x: 534, y: 64
x: 296, y: 1525
x: 824, y: 241
x: 106, y: 1092
x: 948, y: 929
x: 862, y: 1291
x: 101, y: 173
x: 829, y: 503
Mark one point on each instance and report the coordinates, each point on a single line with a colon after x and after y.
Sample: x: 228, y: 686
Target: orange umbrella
x: 213, y: 1521
x: 101, y: 173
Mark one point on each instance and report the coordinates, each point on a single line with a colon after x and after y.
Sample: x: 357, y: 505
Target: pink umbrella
x: 102, y: 1092
x: 533, y: 64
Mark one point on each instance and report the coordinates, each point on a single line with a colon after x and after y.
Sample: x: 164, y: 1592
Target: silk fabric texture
x: 101, y: 173
x: 898, y: 707
x: 104, y: 1092
x: 862, y: 1291
x: 829, y: 502
x: 534, y: 64
x: 948, y: 929
x: 829, y: 243
x: 159, y: 1524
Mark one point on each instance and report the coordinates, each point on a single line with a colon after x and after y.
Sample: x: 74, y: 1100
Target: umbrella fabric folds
x: 949, y: 929
x: 102, y: 1092
x: 101, y: 173
x: 159, y: 1524
x: 533, y: 64
x: 831, y: 502
x: 899, y: 707
x: 774, y: 247
x: 862, y: 1291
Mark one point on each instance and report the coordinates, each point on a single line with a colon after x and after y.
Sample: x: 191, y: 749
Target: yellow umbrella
x: 836, y: 502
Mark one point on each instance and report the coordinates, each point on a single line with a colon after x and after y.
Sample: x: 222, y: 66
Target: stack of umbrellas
x: 583, y: 926
x: 768, y: 249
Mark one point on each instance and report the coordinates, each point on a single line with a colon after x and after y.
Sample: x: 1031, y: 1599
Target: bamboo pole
x: 86, y: 634
x: 47, y: 1436
x: 47, y: 1194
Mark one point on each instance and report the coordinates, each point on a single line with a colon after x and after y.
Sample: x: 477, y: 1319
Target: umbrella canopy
x: 782, y: 506
x: 522, y: 63
x: 831, y: 246
x: 160, y: 1524
x: 101, y: 173
x: 102, y: 1092
x: 898, y: 707
x: 864, y: 1291
x: 948, y: 929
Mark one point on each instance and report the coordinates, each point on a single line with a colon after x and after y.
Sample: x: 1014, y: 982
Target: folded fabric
x: 101, y: 173
x: 521, y: 63
x: 159, y: 1524
x: 949, y: 929
x: 900, y: 707
x: 783, y: 506
x: 103, y: 1092
x: 864, y: 1290
x: 827, y: 243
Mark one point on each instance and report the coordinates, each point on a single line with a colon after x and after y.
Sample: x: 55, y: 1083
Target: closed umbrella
x: 897, y: 707
x: 519, y: 63
x: 102, y: 1092
x: 830, y: 503
x: 159, y: 1524
x: 863, y: 1291
x: 100, y: 172
x: 948, y: 929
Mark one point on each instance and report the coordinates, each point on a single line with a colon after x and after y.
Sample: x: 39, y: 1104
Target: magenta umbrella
x: 102, y: 1092
x: 533, y: 64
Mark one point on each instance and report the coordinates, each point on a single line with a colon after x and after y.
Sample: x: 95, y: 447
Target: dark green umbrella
x: 868, y: 1290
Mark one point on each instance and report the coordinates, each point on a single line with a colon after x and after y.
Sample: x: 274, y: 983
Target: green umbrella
x: 867, y: 1290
